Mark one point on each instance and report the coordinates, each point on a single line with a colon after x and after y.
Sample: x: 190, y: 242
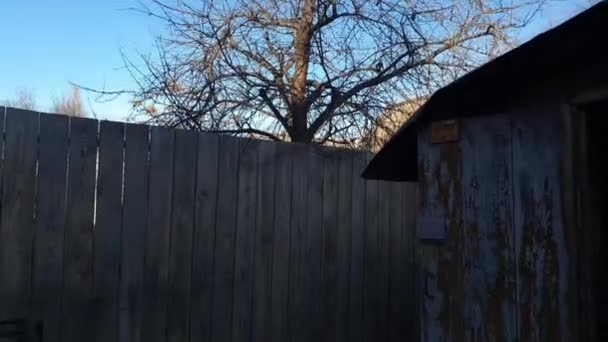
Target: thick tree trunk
x: 303, y: 41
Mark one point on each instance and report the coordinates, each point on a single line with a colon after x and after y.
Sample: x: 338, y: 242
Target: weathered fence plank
x: 282, y: 242
x: 108, y: 229
x: 357, y: 254
x: 50, y: 224
x: 204, y: 237
x: 78, y: 312
x: 245, y: 240
x: 329, y: 247
x: 263, y: 239
x: 297, y: 325
x: 223, y: 270
x: 371, y: 262
x: 183, y: 236
x: 16, y: 221
x: 158, y: 236
x: 182, y: 229
x: 133, y: 233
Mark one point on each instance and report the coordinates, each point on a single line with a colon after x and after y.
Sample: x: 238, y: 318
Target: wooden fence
x: 124, y: 232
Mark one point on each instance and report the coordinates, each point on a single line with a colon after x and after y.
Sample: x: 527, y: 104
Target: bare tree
x: 23, y: 99
x: 307, y: 71
x: 70, y: 104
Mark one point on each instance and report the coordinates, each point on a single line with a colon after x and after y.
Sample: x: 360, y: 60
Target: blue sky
x: 48, y: 43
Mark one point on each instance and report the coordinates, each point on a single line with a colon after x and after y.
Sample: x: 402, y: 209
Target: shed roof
x: 580, y: 41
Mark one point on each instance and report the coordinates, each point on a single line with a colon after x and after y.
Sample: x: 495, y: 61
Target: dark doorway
x: 596, y: 208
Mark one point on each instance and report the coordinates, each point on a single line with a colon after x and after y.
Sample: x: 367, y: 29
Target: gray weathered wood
x: 158, y: 236
x: 296, y: 323
x: 108, y: 228
x: 540, y: 246
x: 182, y: 229
x: 487, y: 240
x: 223, y: 270
x: 439, y: 196
x: 371, y: 262
x: 50, y: 224
x: 16, y: 220
x: 133, y: 232
x: 204, y: 237
x: 329, y: 247
x: 357, y: 248
x: 383, y: 266
x: 77, y: 320
x: 311, y: 253
x: 198, y: 237
x: 245, y: 241
x: 344, y: 240
x: 282, y: 242
x: 262, y: 276
x: 398, y: 321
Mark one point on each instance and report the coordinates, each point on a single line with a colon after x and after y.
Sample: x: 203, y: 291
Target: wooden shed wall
x: 504, y: 269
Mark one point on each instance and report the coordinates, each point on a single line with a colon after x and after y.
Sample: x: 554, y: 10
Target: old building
x: 512, y: 192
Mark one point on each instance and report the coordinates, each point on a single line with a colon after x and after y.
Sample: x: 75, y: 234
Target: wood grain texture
x: 50, y: 224
x: 108, y: 230
x: 204, y: 237
x: 263, y: 244
x: 153, y: 234
x: 540, y: 246
x: 223, y: 270
x: 282, y: 243
x: 344, y: 228
x: 16, y: 220
x: 329, y: 244
x: 77, y: 320
x: 296, y: 324
x: 441, y: 278
x: 371, y: 261
x: 245, y: 241
x: 383, y: 255
x: 311, y: 253
x: 489, y: 277
x: 182, y: 230
x: 158, y: 235
x: 357, y: 255
x: 133, y: 233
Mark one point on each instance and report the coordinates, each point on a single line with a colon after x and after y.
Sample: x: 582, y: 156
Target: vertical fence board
x: 204, y: 237
x: 371, y: 262
x: 398, y: 287
x: 357, y: 248
x: 312, y: 245
x: 182, y: 225
x: 158, y: 235
x: 282, y: 243
x: 296, y: 323
x: 174, y: 235
x: 384, y: 228
x: 78, y: 261
x: 263, y: 243
x: 223, y: 271
x: 329, y: 245
x: 108, y: 230
x: 16, y: 222
x: 245, y: 238
x: 344, y: 227
x: 50, y: 224
x: 133, y: 232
